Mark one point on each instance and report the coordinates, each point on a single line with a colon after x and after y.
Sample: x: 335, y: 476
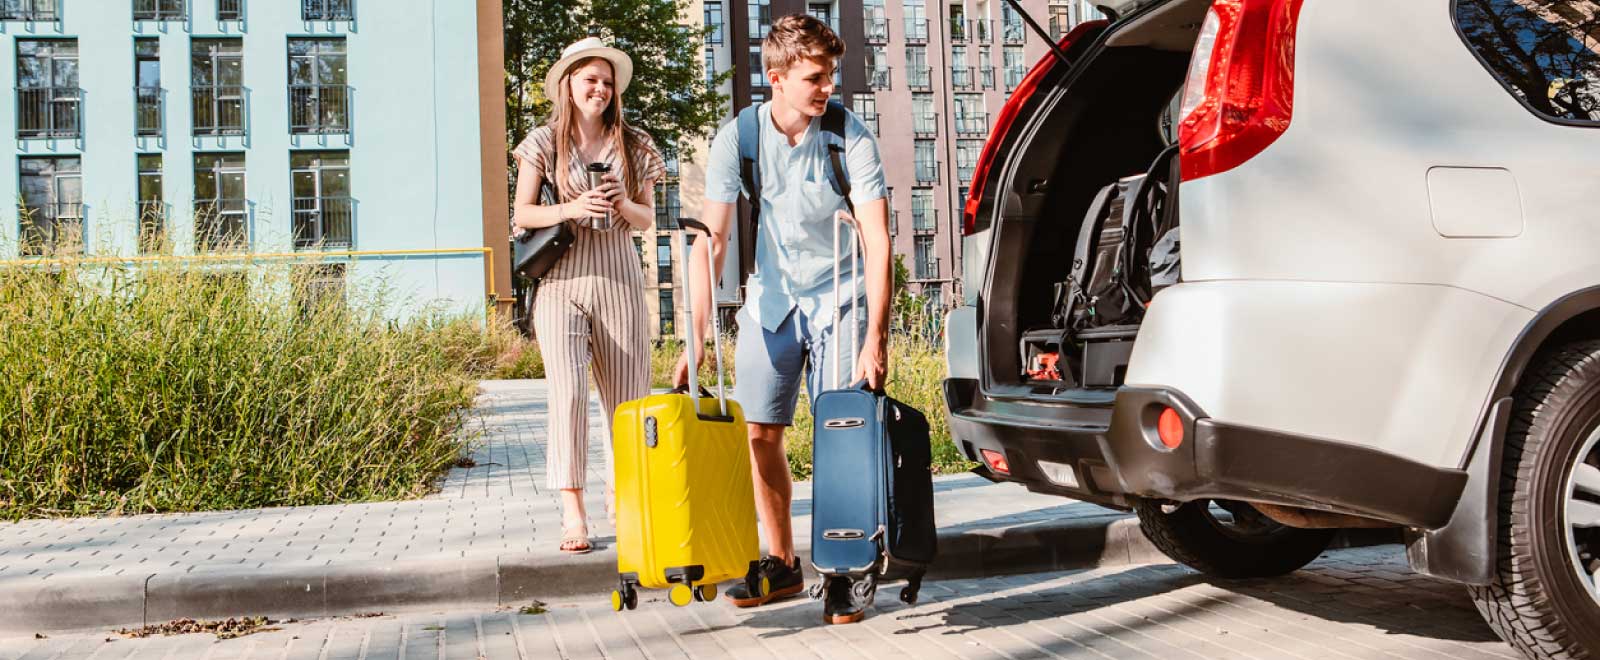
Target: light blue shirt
x: 794, y: 251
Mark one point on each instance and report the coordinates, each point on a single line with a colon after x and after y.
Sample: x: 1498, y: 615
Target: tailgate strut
x: 1055, y: 48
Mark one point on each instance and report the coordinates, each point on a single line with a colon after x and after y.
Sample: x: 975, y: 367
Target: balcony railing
x: 1014, y: 33
x: 219, y: 225
x: 324, y: 223
x: 960, y: 30
x: 877, y: 30
x: 219, y: 110
x: 328, y: 10
x: 925, y: 125
x: 1014, y: 77
x: 147, y: 111
x: 919, y: 78
x: 972, y: 123
x: 983, y: 30
x: 152, y: 225
x: 927, y: 269
x: 924, y: 221
x: 927, y: 171
x: 50, y: 229
x: 49, y: 112
x: 319, y: 109
x: 878, y: 79
x: 961, y: 78
x: 871, y: 120
x: 30, y: 10
x: 986, y: 77
x: 1059, y: 26
x: 964, y: 172
x: 230, y: 10
x: 160, y: 10
x: 916, y: 30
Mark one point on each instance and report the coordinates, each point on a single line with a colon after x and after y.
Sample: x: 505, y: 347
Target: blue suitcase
x: 872, y: 486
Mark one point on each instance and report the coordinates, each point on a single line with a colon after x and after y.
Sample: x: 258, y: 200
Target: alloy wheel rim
x: 1581, y: 514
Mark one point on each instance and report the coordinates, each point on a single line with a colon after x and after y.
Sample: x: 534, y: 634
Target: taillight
x: 1239, y: 95
x: 1007, y: 116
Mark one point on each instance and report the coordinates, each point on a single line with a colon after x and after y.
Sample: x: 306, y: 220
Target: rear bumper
x: 1114, y: 454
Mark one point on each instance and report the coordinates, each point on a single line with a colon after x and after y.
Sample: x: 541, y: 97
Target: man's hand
x: 680, y: 372
x: 872, y: 365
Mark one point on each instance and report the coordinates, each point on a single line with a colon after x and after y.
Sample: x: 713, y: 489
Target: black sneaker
x: 840, y: 605
x: 782, y: 582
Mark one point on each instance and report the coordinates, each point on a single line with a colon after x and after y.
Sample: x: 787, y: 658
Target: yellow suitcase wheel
x: 705, y: 593
x: 616, y: 600
x: 680, y: 595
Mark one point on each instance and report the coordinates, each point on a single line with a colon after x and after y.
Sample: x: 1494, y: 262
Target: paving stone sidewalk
x: 489, y: 536
x: 1349, y: 605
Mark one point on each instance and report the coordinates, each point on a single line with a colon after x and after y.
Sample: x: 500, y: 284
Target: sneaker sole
x: 775, y: 595
x: 838, y: 619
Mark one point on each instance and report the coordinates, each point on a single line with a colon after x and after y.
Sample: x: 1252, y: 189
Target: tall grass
x: 184, y: 388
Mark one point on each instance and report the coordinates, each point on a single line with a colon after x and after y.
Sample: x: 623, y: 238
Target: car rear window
x: 1545, y: 52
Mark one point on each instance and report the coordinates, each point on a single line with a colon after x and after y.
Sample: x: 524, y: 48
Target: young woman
x: 590, y: 307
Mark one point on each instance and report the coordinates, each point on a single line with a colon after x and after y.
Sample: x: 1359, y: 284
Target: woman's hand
x: 612, y: 187
x: 593, y: 203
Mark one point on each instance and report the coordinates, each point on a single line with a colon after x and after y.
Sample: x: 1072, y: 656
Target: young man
x: 786, y: 326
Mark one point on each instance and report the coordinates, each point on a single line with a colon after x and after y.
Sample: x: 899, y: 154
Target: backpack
x: 1111, y: 277
x: 749, y: 132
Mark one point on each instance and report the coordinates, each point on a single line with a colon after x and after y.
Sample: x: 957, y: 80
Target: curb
x: 513, y: 580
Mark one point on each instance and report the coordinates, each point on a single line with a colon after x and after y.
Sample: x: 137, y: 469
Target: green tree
x: 668, y: 96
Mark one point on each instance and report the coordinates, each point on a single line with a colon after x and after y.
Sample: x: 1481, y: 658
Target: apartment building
x: 928, y: 76
x: 367, y: 137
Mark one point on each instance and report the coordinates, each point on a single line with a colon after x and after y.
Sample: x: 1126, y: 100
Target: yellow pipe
x: 307, y: 256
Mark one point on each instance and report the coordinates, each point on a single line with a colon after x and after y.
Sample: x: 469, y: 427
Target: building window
x: 638, y: 248
x: 711, y: 68
x: 219, y: 202
x: 866, y: 107
x: 159, y: 10
x: 147, y: 91
x: 970, y: 116
x: 760, y: 18
x: 927, y: 166
x: 667, y: 327
x: 216, y: 71
x: 714, y: 22
x: 29, y: 10
x: 757, y: 78
x: 319, y: 287
x: 324, y: 213
x: 667, y: 205
x: 878, y: 67
x: 328, y: 10
x: 918, y: 75
x: 961, y: 76
x: 664, y: 259
x: 50, y: 220
x: 823, y: 11
x: 48, y: 97
x: 1547, y: 55
x: 1011, y: 59
x: 152, y: 208
x: 916, y: 21
x: 924, y: 217
x: 1015, y: 32
x: 927, y: 265
x: 319, y: 98
x: 230, y: 10
x: 877, y: 21
x: 967, y: 152
x: 924, y: 121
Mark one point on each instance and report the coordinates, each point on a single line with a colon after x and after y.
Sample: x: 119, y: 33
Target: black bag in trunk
x: 1110, y: 281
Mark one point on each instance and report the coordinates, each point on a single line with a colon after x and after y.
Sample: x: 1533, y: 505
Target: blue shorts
x: 767, y: 366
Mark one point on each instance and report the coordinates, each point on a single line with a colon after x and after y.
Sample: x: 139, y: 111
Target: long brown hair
x: 564, y: 124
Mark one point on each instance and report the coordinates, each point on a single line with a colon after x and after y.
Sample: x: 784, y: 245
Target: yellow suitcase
x: 686, y: 517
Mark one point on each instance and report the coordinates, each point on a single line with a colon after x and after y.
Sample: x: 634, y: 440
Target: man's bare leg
x: 769, y: 468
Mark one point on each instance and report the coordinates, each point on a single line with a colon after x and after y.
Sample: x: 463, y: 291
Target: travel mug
x: 597, y: 172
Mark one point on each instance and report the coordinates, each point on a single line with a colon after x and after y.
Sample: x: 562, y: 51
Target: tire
x: 1250, y: 546
x: 1537, y: 601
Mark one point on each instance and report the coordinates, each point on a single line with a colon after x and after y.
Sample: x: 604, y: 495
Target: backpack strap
x: 833, y: 120
x: 1088, y: 235
x: 748, y: 130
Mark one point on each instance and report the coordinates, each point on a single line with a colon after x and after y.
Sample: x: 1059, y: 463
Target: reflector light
x: 1170, y: 428
x: 996, y: 461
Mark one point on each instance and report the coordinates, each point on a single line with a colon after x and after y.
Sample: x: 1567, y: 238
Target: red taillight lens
x: 1239, y: 96
x: 996, y: 461
x: 1008, y: 116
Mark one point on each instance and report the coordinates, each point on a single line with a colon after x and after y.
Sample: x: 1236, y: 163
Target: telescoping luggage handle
x: 842, y: 217
x: 716, y: 323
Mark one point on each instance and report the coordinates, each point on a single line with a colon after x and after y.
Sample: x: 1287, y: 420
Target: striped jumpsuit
x: 590, y: 309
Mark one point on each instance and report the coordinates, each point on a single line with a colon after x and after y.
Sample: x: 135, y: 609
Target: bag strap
x: 1141, y: 220
x: 748, y: 130
x: 833, y: 121
x: 1088, y: 235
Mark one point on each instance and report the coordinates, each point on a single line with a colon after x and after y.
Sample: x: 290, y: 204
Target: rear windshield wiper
x: 1055, y: 48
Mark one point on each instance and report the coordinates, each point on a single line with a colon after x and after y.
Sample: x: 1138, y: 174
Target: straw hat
x: 621, y: 64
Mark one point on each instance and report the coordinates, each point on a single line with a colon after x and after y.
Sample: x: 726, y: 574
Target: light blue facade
x: 413, y: 138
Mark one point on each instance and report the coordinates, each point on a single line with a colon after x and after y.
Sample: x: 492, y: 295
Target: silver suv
x: 1383, y: 232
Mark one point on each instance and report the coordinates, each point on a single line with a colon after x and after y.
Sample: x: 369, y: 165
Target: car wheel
x: 1544, y: 599
x: 1229, y: 539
